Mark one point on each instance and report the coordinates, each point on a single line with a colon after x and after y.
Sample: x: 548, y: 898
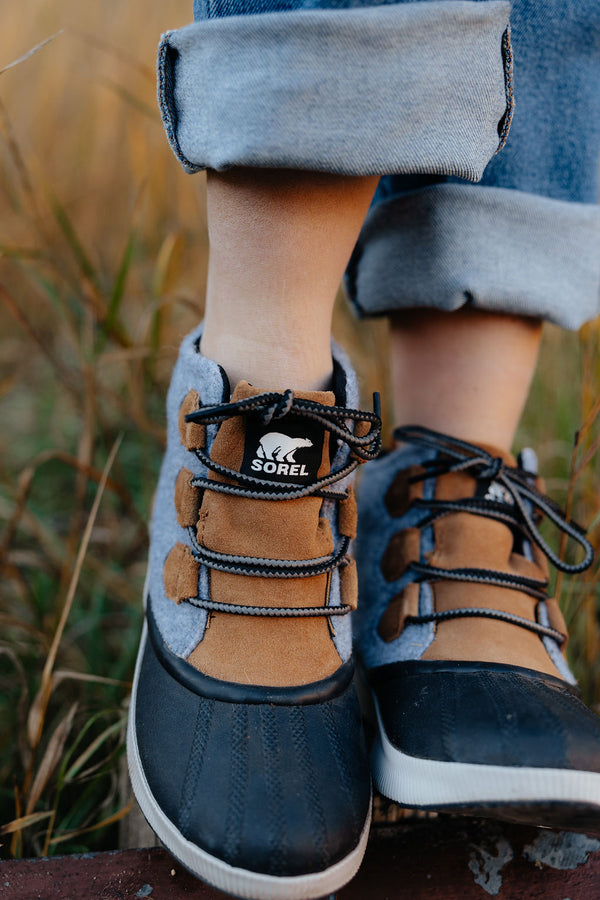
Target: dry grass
x: 103, y: 255
x: 102, y: 267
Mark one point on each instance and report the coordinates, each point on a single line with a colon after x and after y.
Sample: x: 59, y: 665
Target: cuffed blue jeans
x: 486, y: 135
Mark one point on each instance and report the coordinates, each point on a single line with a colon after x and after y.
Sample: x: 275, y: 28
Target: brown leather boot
x: 477, y: 709
x: 245, y: 744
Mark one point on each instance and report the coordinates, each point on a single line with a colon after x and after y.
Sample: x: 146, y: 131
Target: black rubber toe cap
x: 485, y: 713
x: 275, y: 788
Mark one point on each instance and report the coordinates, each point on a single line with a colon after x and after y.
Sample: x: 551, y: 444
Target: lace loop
x: 515, y: 501
x: 466, y: 612
x: 269, y: 568
x: 268, y: 406
x: 465, y: 457
x: 494, y: 469
x: 278, y: 408
x: 272, y: 612
x: 532, y: 586
x: 333, y: 418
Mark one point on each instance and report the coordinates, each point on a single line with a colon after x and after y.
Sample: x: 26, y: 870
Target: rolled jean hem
x: 398, y: 88
x: 451, y: 245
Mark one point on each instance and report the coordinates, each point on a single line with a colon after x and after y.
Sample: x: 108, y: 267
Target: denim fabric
x: 208, y: 9
x: 554, y: 144
x: 526, y: 239
x: 453, y: 245
x: 299, y: 89
x: 546, y: 221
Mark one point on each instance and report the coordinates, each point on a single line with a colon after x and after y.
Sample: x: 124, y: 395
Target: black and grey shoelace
x: 522, y: 510
x: 341, y: 424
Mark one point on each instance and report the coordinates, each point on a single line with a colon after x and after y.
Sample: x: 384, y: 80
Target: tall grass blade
x: 117, y: 293
x: 87, y: 754
x: 40, y: 705
x: 111, y: 820
x: 94, y: 41
x: 31, y: 52
x: 131, y: 100
x: 24, y: 822
x: 86, y: 267
x: 68, y: 675
x: 50, y: 759
x: 18, y: 314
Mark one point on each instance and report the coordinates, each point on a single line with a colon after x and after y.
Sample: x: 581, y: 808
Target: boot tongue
x: 291, y: 449
x: 458, y: 485
x: 261, y: 649
x: 463, y: 540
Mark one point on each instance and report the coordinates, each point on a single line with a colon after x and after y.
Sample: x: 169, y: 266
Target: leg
x: 246, y: 749
x: 279, y: 244
x: 465, y: 373
x: 245, y: 725
x: 462, y: 645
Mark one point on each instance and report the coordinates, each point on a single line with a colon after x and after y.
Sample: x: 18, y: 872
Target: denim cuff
x: 399, y: 88
x: 453, y: 245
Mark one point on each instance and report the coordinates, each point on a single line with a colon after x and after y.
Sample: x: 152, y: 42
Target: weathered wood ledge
x: 420, y: 859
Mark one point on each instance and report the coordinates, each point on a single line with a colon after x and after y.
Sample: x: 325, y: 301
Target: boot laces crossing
x: 522, y: 512
x: 341, y: 424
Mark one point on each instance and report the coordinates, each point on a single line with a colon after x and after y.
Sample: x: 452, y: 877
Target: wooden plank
x: 463, y: 859
x: 443, y: 859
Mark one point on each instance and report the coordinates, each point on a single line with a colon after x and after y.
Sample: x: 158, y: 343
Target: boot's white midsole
x: 415, y: 781
x: 242, y: 882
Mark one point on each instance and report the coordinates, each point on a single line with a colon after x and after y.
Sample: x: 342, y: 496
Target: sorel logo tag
x: 290, y: 453
x: 275, y: 454
x: 498, y: 494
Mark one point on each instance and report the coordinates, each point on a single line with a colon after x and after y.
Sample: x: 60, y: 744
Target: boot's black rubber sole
x: 236, y: 880
x: 559, y: 798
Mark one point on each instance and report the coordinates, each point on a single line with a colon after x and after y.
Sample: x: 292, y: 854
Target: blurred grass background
x: 103, y: 258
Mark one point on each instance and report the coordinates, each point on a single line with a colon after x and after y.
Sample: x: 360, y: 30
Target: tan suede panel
x: 463, y: 540
x: 402, y: 549
x: 192, y: 434
x: 285, y: 529
x: 349, y: 584
x: 278, y: 653
x: 401, y: 492
x: 361, y: 428
x: 246, y: 649
x: 187, y: 500
x: 406, y: 603
x: 347, y: 515
x: 180, y: 574
x: 248, y: 590
x: 454, y: 486
x: 486, y: 640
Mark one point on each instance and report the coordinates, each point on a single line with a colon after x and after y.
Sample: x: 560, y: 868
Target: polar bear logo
x: 498, y: 494
x: 280, y: 447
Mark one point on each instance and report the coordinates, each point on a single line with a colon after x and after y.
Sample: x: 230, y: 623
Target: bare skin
x: 465, y: 373
x: 279, y: 244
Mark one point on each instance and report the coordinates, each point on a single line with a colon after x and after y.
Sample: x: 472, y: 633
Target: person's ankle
x: 266, y: 367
